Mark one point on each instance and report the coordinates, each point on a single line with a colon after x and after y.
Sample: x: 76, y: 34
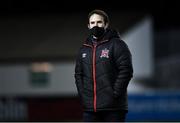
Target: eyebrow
x: 92, y: 22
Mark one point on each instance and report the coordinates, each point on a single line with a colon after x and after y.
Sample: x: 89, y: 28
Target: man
x: 103, y: 71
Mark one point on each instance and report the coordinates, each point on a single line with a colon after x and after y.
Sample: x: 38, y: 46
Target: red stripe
x: 87, y: 45
x: 94, y: 71
x: 94, y: 75
x: 100, y: 42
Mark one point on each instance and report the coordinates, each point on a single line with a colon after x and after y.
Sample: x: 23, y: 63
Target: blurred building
x: 39, y: 43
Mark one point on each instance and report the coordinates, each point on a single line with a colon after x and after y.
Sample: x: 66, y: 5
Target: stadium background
x: 39, y: 41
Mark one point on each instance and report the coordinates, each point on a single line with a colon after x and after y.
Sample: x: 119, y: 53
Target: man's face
x: 96, y: 20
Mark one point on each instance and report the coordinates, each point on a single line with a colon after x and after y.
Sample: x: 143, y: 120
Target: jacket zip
x: 94, y: 72
x: 94, y: 76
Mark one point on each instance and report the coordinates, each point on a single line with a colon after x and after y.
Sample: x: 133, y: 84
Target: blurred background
x: 39, y: 41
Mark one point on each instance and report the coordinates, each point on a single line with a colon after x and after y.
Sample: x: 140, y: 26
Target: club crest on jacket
x: 105, y: 53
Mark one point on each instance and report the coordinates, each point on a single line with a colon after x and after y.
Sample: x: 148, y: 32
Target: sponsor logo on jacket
x: 84, y: 55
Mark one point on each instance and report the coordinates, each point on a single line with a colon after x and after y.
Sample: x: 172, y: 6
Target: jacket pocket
x: 105, y: 97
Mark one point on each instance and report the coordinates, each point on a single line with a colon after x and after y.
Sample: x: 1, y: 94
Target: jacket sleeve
x: 78, y: 74
x: 123, y: 65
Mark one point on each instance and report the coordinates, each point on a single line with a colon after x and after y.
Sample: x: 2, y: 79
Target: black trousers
x: 105, y: 116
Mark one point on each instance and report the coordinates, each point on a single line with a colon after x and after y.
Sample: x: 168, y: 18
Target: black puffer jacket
x: 103, y: 72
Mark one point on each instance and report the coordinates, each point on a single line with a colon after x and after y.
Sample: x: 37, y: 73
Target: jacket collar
x: 109, y: 34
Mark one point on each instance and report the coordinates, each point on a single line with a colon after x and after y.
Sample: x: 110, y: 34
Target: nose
x: 96, y: 24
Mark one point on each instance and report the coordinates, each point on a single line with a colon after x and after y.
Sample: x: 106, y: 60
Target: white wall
x: 15, y: 80
x: 140, y: 41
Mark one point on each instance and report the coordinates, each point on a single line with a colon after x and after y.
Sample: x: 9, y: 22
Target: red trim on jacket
x: 94, y: 76
x: 94, y: 71
x: 88, y: 45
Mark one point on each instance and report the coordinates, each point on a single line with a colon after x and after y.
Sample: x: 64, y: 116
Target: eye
x: 99, y: 21
x: 92, y: 22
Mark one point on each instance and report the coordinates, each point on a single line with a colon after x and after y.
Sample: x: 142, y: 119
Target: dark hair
x: 101, y: 13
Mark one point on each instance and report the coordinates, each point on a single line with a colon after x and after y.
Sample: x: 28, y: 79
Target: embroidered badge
x: 105, y: 53
x: 84, y: 55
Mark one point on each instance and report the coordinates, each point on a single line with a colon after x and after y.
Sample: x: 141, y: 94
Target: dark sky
x: 165, y: 13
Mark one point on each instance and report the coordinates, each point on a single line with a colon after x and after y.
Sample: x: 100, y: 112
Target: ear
x: 106, y: 26
x: 88, y: 26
